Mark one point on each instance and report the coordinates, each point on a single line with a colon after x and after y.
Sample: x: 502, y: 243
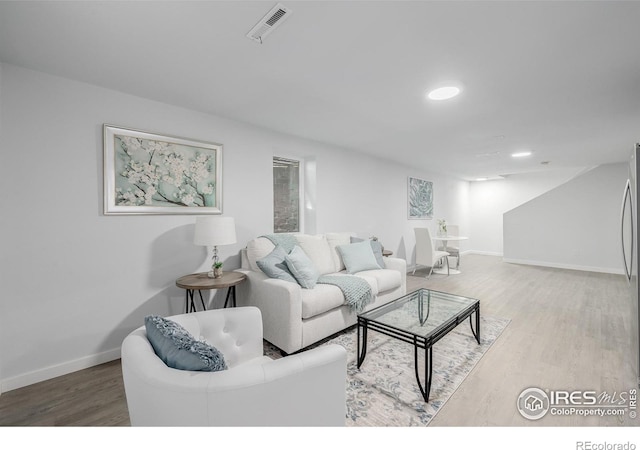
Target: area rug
x: 384, y: 391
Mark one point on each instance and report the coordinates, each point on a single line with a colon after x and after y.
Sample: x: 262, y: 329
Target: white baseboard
x: 480, y: 252
x: 540, y: 263
x: 466, y: 252
x: 564, y: 266
x: 47, y: 373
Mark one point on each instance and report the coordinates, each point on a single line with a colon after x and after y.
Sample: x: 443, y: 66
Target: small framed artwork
x: 147, y: 173
x: 420, y: 199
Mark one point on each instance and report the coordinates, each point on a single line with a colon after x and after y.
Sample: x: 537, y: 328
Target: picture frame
x: 419, y: 198
x: 149, y: 173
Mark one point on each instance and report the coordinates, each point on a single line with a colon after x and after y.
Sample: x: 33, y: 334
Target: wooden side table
x: 387, y: 253
x: 201, y: 282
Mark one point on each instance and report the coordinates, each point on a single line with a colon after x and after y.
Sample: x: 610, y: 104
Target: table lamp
x: 214, y: 231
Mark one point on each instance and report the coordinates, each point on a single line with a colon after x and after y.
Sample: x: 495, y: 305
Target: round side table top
x: 201, y: 281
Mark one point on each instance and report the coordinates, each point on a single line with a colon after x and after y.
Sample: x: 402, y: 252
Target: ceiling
x: 561, y: 79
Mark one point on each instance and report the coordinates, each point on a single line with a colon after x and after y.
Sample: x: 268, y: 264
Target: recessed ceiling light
x: 481, y: 179
x: 486, y: 155
x: 444, y: 93
x: 521, y: 154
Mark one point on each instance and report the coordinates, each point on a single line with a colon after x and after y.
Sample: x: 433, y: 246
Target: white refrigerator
x: 630, y: 248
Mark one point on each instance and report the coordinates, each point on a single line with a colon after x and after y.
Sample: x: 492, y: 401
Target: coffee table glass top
x: 423, y: 312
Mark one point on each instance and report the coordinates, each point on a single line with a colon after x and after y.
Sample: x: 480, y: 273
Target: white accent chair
x: 305, y: 389
x: 453, y: 250
x: 426, y: 254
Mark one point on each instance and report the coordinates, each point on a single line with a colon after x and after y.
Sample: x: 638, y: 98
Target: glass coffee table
x: 420, y: 318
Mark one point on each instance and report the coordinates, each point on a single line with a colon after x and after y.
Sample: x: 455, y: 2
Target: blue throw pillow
x: 302, y: 268
x: 178, y: 349
x: 358, y: 257
x: 376, y: 246
x: 275, y: 266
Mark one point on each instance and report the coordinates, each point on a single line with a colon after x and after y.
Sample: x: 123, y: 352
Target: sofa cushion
x: 386, y: 279
x: 302, y: 268
x: 358, y: 257
x: 320, y: 299
x: 325, y: 297
x: 334, y: 240
x: 318, y: 250
x: 257, y: 249
x: 371, y: 280
x: 178, y: 349
x: 376, y: 246
x: 275, y: 266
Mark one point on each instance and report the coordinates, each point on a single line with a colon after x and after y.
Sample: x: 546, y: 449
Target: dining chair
x: 451, y: 248
x: 426, y: 253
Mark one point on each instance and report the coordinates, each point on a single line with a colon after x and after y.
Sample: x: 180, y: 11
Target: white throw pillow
x: 318, y: 250
x: 257, y: 249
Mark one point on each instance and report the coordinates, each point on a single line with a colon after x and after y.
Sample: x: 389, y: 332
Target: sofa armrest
x: 305, y: 389
x: 401, y: 266
x: 280, y: 303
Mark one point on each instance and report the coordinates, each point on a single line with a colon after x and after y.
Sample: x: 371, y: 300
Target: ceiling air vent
x: 270, y: 22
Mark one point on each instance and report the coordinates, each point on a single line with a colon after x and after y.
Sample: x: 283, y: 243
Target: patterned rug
x: 384, y: 391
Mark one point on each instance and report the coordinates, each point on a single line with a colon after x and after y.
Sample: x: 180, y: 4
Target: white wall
x: 576, y: 225
x: 369, y: 197
x: 489, y: 200
x: 75, y: 282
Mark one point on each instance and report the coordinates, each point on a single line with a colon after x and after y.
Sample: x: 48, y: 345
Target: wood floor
x: 569, y: 330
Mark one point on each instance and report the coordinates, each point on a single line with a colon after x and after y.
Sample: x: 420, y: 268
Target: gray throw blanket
x: 286, y: 241
x: 357, y: 292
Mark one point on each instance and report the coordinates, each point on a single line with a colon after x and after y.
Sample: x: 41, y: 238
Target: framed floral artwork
x: 420, y: 199
x: 147, y: 173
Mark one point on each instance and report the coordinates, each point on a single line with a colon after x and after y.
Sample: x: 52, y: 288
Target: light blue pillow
x: 376, y: 246
x: 302, y: 268
x: 358, y: 257
x: 274, y: 265
x: 178, y: 349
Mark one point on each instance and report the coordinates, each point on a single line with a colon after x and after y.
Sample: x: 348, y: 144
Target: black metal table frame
x: 422, y: 342
x: 190, y: 305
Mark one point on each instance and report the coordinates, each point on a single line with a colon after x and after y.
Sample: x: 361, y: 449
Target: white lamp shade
x: 213, y: 231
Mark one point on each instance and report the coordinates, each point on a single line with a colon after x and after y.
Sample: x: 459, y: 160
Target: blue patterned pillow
x: 274, y: 265
x: 178, y: 349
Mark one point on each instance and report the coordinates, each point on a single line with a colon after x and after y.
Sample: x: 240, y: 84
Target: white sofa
x: 294, y: 317
x: 306, y: 389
